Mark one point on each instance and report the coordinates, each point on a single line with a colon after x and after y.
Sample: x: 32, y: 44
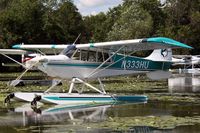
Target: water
x: 89, y: 118
x: 184, y: 83
x: 81, y: 118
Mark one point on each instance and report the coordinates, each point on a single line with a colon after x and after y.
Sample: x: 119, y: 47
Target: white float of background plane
x: 186, y: 60
x: 82, y: 62
x: 190, y: 63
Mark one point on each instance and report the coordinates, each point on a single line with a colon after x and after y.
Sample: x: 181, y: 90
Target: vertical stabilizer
x: 160, y: 55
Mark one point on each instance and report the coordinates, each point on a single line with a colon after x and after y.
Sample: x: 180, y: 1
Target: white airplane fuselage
x: 69, y: 68
x: 61, y: 66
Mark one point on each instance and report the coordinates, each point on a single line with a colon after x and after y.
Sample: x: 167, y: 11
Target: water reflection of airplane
x: 72, y: 114
x: 184, y: 83
x: 82, y: 62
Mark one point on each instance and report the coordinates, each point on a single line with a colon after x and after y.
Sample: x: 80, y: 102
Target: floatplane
x: 82, y: 62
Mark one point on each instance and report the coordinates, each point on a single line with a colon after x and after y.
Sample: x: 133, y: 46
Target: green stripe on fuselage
x: 136, y: 63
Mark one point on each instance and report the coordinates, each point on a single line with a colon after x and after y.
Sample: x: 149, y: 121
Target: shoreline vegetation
x: 127, y: 85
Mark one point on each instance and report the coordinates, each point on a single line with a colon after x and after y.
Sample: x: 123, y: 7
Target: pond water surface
x: 21, y: 118
x: 81, y: 118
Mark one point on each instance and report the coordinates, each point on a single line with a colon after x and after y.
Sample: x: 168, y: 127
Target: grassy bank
x: 119, y: 85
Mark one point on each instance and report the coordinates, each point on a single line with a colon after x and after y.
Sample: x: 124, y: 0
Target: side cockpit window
x: 91, y: 56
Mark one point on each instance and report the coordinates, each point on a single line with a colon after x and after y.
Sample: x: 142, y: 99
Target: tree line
x: 53, y: 21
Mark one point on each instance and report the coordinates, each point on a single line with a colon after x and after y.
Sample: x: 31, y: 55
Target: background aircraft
x: 187, y: 63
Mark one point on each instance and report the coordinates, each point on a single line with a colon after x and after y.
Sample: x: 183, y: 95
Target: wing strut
x: 13, y: 60
x: 55, y: 83
x: 95, y: 70
x: 17, y: 80
x: 85, y: 83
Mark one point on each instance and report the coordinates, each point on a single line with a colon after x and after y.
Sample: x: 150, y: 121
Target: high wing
x: 130, y: 45
x: 6, y: 52
x: 137, y: 44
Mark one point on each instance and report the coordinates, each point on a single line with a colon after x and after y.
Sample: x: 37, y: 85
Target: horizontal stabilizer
x: 159, y: 75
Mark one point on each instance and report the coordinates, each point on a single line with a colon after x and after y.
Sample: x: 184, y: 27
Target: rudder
x: 160, y: 55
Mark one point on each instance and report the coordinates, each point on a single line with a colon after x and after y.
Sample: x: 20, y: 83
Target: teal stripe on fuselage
x: 136, y: 63
x: 122, y: 63
x: 81, y: 98
x: 89, y: 65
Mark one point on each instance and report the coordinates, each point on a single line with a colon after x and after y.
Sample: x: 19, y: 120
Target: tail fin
x: 160, y: 55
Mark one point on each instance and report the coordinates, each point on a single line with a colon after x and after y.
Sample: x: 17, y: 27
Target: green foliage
x: 20, y: 22
x: 96, y: 27
x: 133, y: 22
x: 192, y: 32
x: 158, y: 16
x: 38, y: 21
x: 63, y: 24
x: 99, y: 25
x: 45, y: 21
x: 180, y: 23
x: 141, y: 19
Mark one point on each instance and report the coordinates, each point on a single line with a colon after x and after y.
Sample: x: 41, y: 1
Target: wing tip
x: 16, y: 46
x: 167, y: 41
